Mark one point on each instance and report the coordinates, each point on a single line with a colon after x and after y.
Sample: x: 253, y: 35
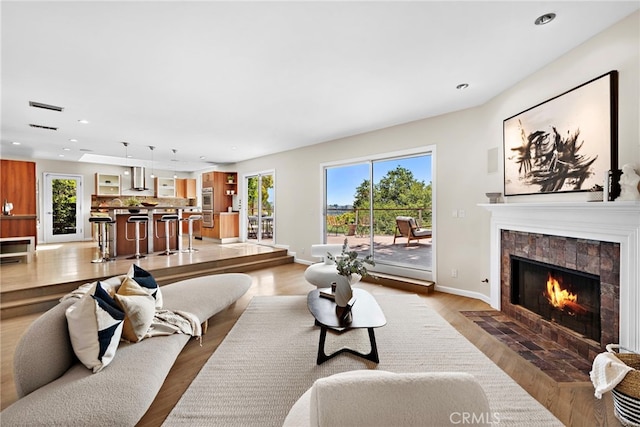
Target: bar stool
x: 190, y: 219
x: 137, y: 220
x: 167, y: 234
x: 103, y: 237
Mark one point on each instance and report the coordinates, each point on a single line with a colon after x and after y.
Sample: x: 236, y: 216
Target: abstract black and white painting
x: 565, y: 144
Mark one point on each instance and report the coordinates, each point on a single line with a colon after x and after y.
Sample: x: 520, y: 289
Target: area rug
x: 268, y: 360
x: 551, y: 358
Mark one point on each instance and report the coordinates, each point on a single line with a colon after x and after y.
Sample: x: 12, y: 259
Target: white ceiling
x: 231, y: 81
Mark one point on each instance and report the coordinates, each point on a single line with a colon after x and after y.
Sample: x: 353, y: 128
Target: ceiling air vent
x: 45, y: 106
x: 42, y: 127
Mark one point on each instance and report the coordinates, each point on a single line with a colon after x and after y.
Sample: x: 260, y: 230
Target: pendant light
x: 175, y: 174
x: 153, y: 175
x: 126, y: 157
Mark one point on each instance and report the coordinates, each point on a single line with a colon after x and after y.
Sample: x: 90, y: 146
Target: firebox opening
x: 568, y: 297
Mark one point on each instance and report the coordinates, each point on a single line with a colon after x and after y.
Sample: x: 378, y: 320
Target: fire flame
x: 562, y: 298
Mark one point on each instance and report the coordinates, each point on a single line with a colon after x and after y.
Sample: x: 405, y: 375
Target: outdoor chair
x: 364, y: 226
x: 252, y: 227
x: 406, y: 227
x: 332, y: 223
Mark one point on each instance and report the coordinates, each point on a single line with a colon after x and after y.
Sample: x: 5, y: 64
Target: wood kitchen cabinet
x: 207, y: 180
x: 186, y: 188
x: 18, y: 186
x: 225, y: 227
x: 224, y: 187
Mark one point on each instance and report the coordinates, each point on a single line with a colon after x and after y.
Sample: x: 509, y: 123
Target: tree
x: 397, y: 193
x: 252, y: 193
x: 63, y: 193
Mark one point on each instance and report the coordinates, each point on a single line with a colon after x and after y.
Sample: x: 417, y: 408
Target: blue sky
x: 343, y: 181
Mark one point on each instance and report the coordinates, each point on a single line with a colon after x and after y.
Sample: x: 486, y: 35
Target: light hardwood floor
x: 572, y: 403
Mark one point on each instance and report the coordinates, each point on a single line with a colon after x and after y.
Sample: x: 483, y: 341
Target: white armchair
x: 321, y: 274
x: 379, y: 398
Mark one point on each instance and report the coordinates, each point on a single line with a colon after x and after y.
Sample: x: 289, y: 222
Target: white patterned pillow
x: 95, y: 326
x: 139, y: 309
x: 146, y: 280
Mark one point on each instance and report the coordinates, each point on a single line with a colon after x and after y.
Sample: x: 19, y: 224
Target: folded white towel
x: 607, y: 372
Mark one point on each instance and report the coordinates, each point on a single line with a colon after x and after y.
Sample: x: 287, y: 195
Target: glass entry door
x: 260, y: 210
x: 63, y: 208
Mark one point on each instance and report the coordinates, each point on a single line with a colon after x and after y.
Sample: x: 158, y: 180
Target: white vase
x: 343, y: 291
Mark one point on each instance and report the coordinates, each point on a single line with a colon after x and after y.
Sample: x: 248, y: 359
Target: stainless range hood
x: 137, y: 178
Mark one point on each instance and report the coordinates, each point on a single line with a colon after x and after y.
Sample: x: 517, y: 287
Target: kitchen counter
x: 152, y: 243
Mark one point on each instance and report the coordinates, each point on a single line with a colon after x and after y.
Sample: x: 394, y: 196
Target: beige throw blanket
x: 607, y: 372
x: 167, y: 322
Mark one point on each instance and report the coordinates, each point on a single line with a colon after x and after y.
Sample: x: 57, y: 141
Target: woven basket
x: 626, y: 395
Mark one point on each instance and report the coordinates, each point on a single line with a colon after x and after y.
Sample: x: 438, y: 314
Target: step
x: 37, y: 300
x: 404, y: 283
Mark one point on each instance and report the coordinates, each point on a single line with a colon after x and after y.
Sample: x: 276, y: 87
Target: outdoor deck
x: 417, y: 255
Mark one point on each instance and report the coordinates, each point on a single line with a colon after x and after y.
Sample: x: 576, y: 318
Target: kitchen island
x: 154, y: 241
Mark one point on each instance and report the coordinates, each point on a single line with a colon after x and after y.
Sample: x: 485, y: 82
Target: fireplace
x: 567, y: 297
x: 588, y: 266
x: 598, y: 238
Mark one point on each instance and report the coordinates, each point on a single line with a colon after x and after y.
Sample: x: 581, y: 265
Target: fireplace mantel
x: 617, y: 222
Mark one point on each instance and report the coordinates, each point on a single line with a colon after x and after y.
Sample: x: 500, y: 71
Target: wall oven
x: 207, y: 199
x: 207, y: 219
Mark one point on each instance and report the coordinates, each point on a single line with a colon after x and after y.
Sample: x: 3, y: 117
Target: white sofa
x: 321, y: 274
x: 378, y: 398
x: 55, y: 389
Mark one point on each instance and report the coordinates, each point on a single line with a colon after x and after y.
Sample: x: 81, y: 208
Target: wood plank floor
x: 572, y: 403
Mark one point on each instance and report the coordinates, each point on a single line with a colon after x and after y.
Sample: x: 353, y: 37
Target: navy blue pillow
x: 146, y: 280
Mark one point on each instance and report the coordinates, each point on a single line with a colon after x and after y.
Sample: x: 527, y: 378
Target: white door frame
x: 244, y: 206
x: 48, y: 235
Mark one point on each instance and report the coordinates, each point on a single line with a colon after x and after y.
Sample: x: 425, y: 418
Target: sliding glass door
x: 364, y: 201
x: 260, y: 211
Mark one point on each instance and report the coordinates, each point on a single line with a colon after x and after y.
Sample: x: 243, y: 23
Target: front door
x: 62, y: 208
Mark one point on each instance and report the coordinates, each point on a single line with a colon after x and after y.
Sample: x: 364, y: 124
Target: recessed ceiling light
x: 16, y: 143
x: 83, y: 121
x: 66, y: 149
x: 462, y: 86
x: 73, y: 140
x: 202, y: 157
x: 60, y: 155
x: 545, y: 19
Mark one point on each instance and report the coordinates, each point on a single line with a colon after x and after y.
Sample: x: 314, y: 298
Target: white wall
x: 464, y: 140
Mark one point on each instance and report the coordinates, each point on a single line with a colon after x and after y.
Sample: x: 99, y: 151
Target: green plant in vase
x: 132, y: 203
x: 351, y: 269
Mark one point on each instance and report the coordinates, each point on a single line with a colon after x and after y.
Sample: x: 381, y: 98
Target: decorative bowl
x: 149, y: 204
x: 493, y: 197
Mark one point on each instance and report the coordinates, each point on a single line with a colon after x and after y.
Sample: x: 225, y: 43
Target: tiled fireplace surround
x: 599, y: 258
x: 601, y: 238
